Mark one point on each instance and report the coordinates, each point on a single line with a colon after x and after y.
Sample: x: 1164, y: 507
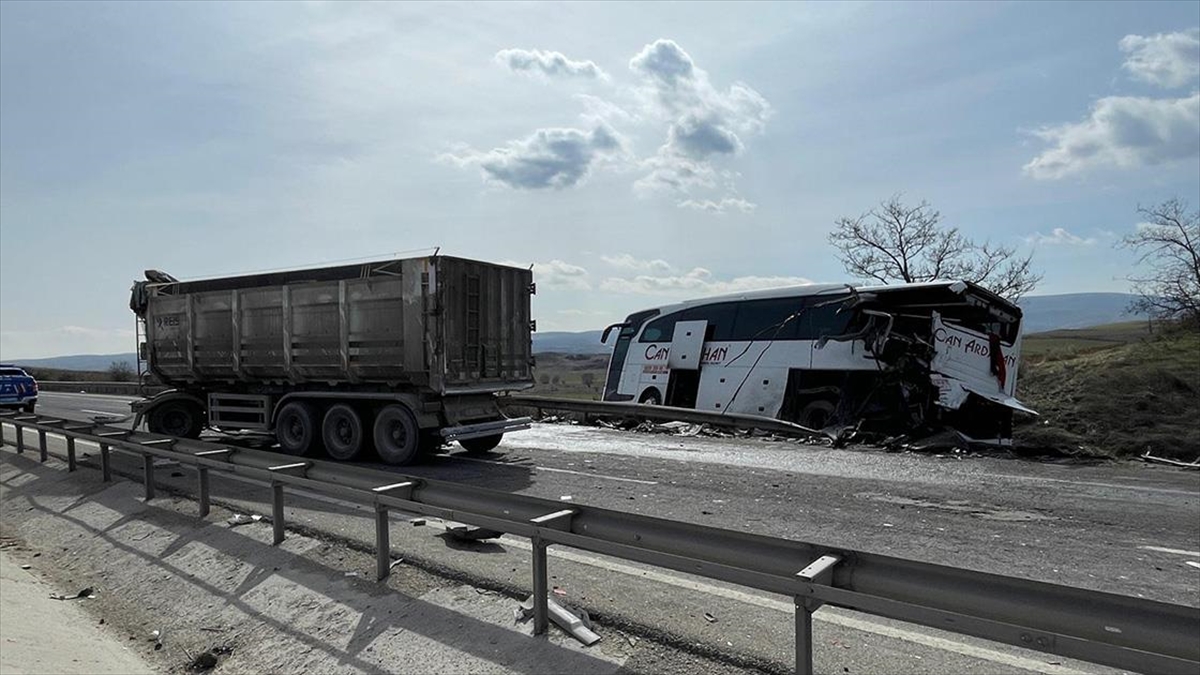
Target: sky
x: 634, y: 154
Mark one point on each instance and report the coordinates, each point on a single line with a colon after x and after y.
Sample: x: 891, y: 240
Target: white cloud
x: 550, y: 158
x: 1124, y: 132
x: 628, y: 262
x: 703, y: 123
x: 1166, y: 59
x: 697, y: 282
x: 1060, y: 237
x: 725, y: 205
x: 557, y: 275
x: 548, y: 64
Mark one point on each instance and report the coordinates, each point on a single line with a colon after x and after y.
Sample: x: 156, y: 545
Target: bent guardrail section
x: 1104, y: 628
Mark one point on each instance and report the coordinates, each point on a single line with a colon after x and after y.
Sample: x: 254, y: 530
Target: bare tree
x: 1168, y: 244
x: 120, y: 371
x: 899, y: 243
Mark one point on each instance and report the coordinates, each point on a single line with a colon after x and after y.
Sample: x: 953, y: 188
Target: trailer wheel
x: 342, y: 431
x: 397, y: 438
x: 296, y: 428
x: 176, y: 418
x: 475, y: 446
x: 816, y: 415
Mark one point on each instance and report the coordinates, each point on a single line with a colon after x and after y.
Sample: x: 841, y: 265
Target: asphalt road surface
x: 1120, y: 527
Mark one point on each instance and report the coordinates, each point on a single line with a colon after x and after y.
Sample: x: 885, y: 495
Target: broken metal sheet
x: 1006, y: 401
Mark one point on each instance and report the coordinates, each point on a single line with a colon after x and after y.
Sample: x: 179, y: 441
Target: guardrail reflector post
x: 202, y: 477
x: 42, y: 445
x: 383, y: 546
x: 70, y: 453
x: 105, y: 465
x: 277, y: 511
x: 541, y: 607
x: 148, y: 475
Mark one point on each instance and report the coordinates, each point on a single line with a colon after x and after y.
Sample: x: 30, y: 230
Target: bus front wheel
x: 651, y: 397
x: 816, y: 415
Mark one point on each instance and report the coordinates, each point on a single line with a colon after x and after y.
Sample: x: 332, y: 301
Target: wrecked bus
x: 890, y: 359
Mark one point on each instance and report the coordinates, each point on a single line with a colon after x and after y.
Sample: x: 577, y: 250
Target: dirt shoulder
x: 43, y: 635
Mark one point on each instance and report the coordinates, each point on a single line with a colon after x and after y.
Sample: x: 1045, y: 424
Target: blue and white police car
x: 18, y: 389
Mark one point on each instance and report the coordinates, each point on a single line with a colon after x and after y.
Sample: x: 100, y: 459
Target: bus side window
x: 826, y: 321
x: 768, y: 319
x: 659, y: 330
x: 720, y: 318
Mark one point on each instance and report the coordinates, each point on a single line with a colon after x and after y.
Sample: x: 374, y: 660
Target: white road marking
x: 1193, y: 564
x: 546, y: 468
x: 1176, y: 551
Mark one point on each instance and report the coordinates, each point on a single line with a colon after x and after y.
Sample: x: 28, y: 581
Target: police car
x: 18, y: 389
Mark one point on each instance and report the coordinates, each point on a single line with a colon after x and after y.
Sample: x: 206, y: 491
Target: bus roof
x: 808, y: 290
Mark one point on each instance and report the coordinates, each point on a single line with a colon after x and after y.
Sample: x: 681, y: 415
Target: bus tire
x: 816, y: 415
x: 342, y: 431
x: 296, y: 428
x: 478, y: 446
x: 397, y: 438
x: 650, y: 397
x: 176, y: 418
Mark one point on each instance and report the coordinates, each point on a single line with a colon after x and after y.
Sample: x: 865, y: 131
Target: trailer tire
x: 397, y: 438
x: 176, y: 418
x: 478, y: 446
x: 296, y: 428
x: 817, y: 414
x: 342, y: 431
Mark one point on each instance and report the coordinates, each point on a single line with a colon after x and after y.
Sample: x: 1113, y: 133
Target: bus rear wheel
x: 816, y: 415
x: 650, y: 397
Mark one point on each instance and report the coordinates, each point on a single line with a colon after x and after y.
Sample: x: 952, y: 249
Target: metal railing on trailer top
x: 1103, y: 628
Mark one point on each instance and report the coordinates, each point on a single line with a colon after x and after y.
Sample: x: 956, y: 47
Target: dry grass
x: 1116, y: 401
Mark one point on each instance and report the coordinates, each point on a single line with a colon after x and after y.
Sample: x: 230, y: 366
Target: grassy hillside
x: 1112, y: 391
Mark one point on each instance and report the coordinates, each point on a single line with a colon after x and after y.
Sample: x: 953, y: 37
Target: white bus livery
x: 885, y: 358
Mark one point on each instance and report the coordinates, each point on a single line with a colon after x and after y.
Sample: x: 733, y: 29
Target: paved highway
x: 1126, y: 528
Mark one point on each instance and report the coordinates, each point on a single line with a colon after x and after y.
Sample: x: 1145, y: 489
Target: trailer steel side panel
x: 435, y: 323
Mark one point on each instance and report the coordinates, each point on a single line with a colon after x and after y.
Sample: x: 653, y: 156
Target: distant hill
x: 79, y: 361
x: 1076, y: 310
x: 585, y: 342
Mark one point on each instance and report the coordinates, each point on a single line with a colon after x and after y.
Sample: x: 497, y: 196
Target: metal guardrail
x: 1104, y: 628
x: 98, y: 387
x: 663, y: 413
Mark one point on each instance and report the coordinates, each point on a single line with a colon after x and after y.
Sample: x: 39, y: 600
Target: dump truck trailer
x: 403, y: 355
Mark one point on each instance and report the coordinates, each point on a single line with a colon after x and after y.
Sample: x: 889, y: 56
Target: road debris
x: 579, y: 625
x: 559, y: 592
x: 157, y: 637
x: 84, y: 594
x: 242, y: 519
x: 464, y: 532
x: 1147, y: 457
x: 26, y: 567
x: 417, y: 522
x: 395, y: 562
x: 710, y: 618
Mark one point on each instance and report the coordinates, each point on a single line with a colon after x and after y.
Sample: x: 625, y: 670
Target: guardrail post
x: 202, y: 476
x: 1, y: 434
x: 20, y: 438
x: 277, y: 511
x: 541, y: 606
x: 70, y: 453
x: 42, y: 445
x: 105, y: 464
x: 148, y: 475
x: 819, y: 571
x: 804, y: 660
x: 383, y: 546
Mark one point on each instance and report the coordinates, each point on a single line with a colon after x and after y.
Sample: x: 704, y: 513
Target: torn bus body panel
x: 947, y: 355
